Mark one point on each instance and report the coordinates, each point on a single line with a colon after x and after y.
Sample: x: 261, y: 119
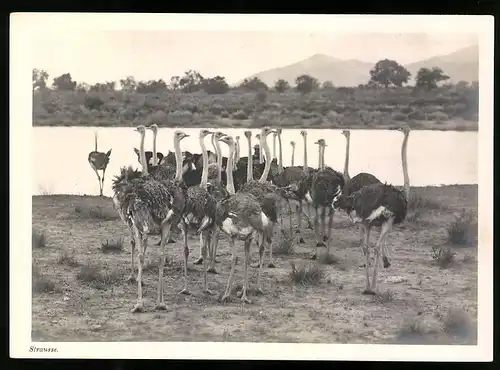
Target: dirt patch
x: 83, y: 294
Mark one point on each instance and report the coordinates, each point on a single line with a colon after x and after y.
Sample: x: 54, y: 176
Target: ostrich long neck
x: 155, y: 158
x: 322, y: 157
x: 229, y: 171
x: 306, y: 168
x: 346, y: 163
x: 236, y: 153
x: 142, y: 155
x: 250, y: 160
x: 293, y: 155
x: 405, y: 166
x: 267, y: 165
x: 95, y: 141
x: 280, y: 159
x: 178, y: 160
x: 320, y: 164
x: 204, y: 172
x: 219, y: 161
x: 274, y: 146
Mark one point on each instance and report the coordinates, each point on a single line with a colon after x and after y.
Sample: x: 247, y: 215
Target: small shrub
x: 112, y: 246
x: 444, y: 257
x: 41, y: 284
x: 240, y: 115
x: 457, y: 322
x: 216, y: 109
x: 38, y: 239
x: 326, y: 258
x: 463, y: 230
x: 383, y: 297
x: 96, y: 277
x: 67, y: 259
x: 285, y: 245
x: 306, y: 274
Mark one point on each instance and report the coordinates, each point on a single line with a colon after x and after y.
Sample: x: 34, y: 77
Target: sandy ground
x: 419, y: 301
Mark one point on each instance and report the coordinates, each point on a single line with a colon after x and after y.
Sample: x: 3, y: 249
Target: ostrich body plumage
x: 359, y: 181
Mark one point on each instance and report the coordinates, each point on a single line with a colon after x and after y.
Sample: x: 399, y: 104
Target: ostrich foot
x: 161, y: 306
x: 198, y: 261
x: 386, y: 262
x: 212, y: 270
x: 369, y: 292
x: 139, y: 307
x: 185, y: 291
x: 301, y: 240
x: 244, y: 299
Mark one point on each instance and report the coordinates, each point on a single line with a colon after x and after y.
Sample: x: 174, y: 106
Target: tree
x: 429, y: 78
x: 191, y: 81
x: 151, y: 86
x: 107, y: 86
x: 175, y: 82
x: 281, y: 85
x: 128, y: 84
x: 327, y: 85
x: 388, y: 72
x: 40, y: 78
x: 253, y: 84
x: 306, y: 84
x: 64, y: 82
x: 215, y: 85
x: 82, y: 87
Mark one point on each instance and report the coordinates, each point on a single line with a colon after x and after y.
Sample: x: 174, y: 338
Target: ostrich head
x: 303, y: 133
x: 266, y: 131
x: 342, y: 201
x: 405, y: 129
x: 218, y: 135
x: 321, y: 142
x: 179, y: 135
x: 292, y: 143
x: 154, y: 128
x: 141, y: 129
x: 237, y: 138
x: 346, y: 133
x: 204, y: 133
x: 248, y: 134
x: 227, y: 140
x: 279, y: 131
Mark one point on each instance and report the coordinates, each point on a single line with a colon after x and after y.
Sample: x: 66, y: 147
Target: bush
x: 306, y: 274
x: 463, y: 230
x: 240, y: 115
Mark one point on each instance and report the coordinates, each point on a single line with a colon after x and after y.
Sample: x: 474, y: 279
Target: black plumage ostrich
x: 152, y: 207
x: 99, y: 162
x: 326, y: 185
x: 240, y: 216
x: 199, y: 213
x: 379, y: 205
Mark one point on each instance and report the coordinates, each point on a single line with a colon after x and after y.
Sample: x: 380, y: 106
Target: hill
x: 462, y: 64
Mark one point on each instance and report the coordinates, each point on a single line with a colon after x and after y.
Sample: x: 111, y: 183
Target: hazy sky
x: 96, y: 56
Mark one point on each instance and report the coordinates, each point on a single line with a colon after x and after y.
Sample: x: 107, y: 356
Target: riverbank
x: 81, y: 257
x: 447, y: 108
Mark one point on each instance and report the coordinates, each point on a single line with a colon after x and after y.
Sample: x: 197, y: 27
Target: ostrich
x: 99, y: 161
x: 153, y: 206
x: 240, y: 217
x: 380, y: 205
x: 361, y: 179
x: 268, y: 194
x: 154, y: 153
x: 292, y: 143
x: 200, y: 212
x: 326, y: 185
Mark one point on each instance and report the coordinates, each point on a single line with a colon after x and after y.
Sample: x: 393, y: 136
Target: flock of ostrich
x: 242, y: 197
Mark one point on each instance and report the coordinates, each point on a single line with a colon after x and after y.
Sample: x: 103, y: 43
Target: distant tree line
x: 384, y: 74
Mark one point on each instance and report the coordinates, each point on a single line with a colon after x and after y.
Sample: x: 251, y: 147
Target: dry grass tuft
x: 383, y: 297
x: 67, y: 259
x: 444, y: 257
x: 326, y: 258
x: 38, y: 239
x: 96, y: 213
x: 306, y: 274
x: 463, y: 230
x: 458, y: 322
x: 97, y: 277
x: 112, y: 246
x: 285, y: 245
x: 42, y: 284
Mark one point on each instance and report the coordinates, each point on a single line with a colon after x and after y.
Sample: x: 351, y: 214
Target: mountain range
x: 462, y: 64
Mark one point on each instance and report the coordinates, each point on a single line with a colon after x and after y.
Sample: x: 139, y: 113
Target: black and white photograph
x: 251, y: 186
